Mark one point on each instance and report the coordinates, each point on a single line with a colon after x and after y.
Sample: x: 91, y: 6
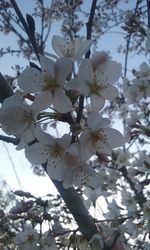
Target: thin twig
x: 9, y: 139
x: 89, y: 25
x: 26, y: 27
x: 148, y: 13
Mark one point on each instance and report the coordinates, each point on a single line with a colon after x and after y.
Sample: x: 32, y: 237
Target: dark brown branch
x: 148, y: 13
x: 138, y: 195
x: 9, y: 139
x: 75, y: 205
x: 89, y: 25
x: 26, y: 27
x: 5, y: 89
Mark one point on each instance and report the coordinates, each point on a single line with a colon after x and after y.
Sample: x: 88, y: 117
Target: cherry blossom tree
x: 95, y: 166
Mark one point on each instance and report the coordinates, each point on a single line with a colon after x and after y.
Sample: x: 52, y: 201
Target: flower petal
x: 43, y: 137
x: 97, y: 102
x: 63, y: 68
x: 109, y: 93
x: 103, y: 147
x: 30, y: 80
x: 58, y: 45
x: 86, y: 44
x: 110, y: 71
x: 114, y: 137
x: 47, y: 66
x: 89, y: 150
x: 42, y: 101
x: 26, y: 137
x: 55, y: 168
x: 37, y: 153
x: 61, y: 102
x: 86, y: 71
x: 99, y: 121
x: 79, y: 85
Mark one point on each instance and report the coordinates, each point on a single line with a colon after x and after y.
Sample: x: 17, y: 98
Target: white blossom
x: 61, y: 165
x: 97, y: 84
x: 74, y: 49
x: 27, y: 239
x: 98, y: 137
x: 48, y: 84
x: 48, y: 241
x: 18, y: 118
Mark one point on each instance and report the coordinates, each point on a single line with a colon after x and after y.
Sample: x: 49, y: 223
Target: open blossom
x: 144, y: 71
x: 138, y: 90
x: 74, y: 49
x: 97, y: 83
x: 18, y: 118
x: 61, y: 165
x: 48, y: 84
x: 140, y: 87
x: 27, y: 239
x: 48, y: 241
x: 97, y: 138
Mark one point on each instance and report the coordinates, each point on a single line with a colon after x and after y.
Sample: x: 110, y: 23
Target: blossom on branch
x: 48, y: 84
x: 74, y: 49
x: 97, y: 83
x: 61, y: 165
x: 98, y: 137
x: 140, y: 87
x: 18, y: 118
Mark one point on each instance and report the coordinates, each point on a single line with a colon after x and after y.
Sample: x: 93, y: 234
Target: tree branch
x: 5, y: 89
x: 8, y: 139
x: 89, y: 25
x: 26, y: 27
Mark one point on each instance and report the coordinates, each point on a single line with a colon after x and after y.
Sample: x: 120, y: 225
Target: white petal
x: 47, y: 66
x: 79, y: 85
x: 68, y: 181
x: 12, y: 120
x: 26, y: 137
x: 82, y: 175
x: 109, y: 93
x: 61, y: 102
x: 42, y: 101
x: 30, y: 80
x: 103, y: 147
x: 58, y: 45
x: 37, y: 153
x: 86, y: 71
x: 99, y: 121
x: 63, y: 68
x: 55, y: 168
x: 86, y: 44
x: 64, y: 141
x: 86, y: 151
x: 114, y: 137
x: 110, y: 71
x: 43, y: 137
x: 97, y: 102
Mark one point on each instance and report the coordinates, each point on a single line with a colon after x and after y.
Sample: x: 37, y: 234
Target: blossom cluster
x: 53, y: 91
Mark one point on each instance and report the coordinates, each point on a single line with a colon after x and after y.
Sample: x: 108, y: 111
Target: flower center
x: 57, y: 150
x: 97, y: 86
x: 69, y: 49
x: 50, y: 84
x: 97, y: 136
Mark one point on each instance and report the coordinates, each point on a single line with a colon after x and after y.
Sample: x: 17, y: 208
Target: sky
x: 29, y: 182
